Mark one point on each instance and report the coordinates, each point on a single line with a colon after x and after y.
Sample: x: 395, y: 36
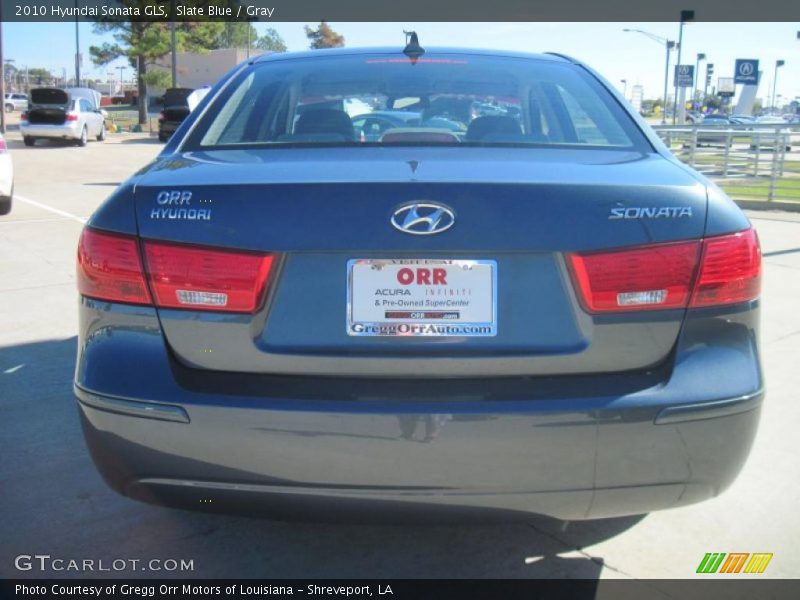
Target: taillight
x: 23, y: 116
x: 162, y: 117
x: 71, y: 117
x: 730, y: 271
x: 109, y: 268
x: 3, y: 145
x: 206, y: 279
x: 644, y: 278
x: 718, y: 270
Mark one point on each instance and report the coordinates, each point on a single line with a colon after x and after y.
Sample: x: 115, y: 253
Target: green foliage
x: 272, y: 41
x: 324, y: 37
x: 143, y: 44
x: 235, y: 35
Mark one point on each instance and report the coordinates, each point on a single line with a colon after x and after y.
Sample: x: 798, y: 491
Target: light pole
x: 707, y: 82
x: 668, y: 45
x: 624, y: 83
x: 700, y: 56
x: 174, y: 46
x: 686, y: 15
x: 778, y: 63
x: 77, y: 49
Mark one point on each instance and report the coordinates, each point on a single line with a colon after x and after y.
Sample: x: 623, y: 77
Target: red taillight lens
x: 71, y: 117
x: 109, y: 268
x: 23, y: 116
x: 664, y: 276
x: 648, y: 278
x: 3, y: 145
x: 731, y: 270
x: 200, y: 278
x: 162, y: 117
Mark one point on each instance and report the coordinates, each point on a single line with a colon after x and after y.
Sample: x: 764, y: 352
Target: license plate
x: 422, y: 297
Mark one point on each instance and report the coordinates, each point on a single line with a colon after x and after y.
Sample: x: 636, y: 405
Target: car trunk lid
x: 520, y: 212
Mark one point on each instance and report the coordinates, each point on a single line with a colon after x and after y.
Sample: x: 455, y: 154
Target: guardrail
x: 748, y: 161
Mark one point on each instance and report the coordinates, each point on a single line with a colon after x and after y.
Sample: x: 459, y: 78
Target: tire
x: 9, y: 108
x: 5, y: 203
x: 84, y: 137
x: 102, y: 135
x: 29, y: 141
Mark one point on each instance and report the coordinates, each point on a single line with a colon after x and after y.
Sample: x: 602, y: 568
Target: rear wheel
x: 84, y: 137
x: 102, y: 135
x: 5, y: 203
x: 29, y: 141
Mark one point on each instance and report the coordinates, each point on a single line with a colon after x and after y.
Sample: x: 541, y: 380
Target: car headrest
x: 483, y: 126
x: 325, y: 120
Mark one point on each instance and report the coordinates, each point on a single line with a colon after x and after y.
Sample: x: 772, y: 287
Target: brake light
x: 192, y: 277
x: 646, y: 278
x: 71, y: 117
x: 162, y: 117
x: 3, y: 145
x: 718, y: 270
x: 109, y: 268
x: 23, y: 116
x: 730, y: 271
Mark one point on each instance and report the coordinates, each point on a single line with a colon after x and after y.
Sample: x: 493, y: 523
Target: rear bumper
x: 71, y: 130
x: 614, y: 446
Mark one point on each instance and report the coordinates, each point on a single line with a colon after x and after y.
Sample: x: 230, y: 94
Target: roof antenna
x: 412, y: 50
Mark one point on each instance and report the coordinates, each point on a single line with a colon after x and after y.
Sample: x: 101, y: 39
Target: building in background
x: 196, y: 70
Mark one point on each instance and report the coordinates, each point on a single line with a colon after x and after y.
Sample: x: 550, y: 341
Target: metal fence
x: 759, y: 162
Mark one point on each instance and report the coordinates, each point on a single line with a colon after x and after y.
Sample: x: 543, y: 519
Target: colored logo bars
x: 734, y: 562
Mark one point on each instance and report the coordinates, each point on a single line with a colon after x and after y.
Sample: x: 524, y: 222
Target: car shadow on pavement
x: 54, y: 502
x: 152, y: 139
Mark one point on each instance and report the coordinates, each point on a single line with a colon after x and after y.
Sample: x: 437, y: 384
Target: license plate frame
x: 455, y: 307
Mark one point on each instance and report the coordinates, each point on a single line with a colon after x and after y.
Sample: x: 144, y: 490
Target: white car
x: 14, y: 101
x: 54, y: 113
x: 6, y: 178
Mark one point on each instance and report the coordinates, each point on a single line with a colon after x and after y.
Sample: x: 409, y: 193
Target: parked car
x: 771, y: 130
x: 706, y: 135
x: 176, y: 109
x: 6, y: 178
x: 62, y: 114
x: 278, y: 317
x: 15, y: 101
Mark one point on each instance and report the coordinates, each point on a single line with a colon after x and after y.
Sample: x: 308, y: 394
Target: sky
x: 617, y: 55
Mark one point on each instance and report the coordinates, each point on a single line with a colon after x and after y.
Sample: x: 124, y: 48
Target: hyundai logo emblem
x: 423, y: 218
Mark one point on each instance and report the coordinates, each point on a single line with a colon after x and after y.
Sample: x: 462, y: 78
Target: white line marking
x: 57, y: 211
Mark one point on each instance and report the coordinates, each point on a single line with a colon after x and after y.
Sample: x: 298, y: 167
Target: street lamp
x: 700, y: 56
x: 686, y: 15
x: 669, y: 45
x: 778, y: 63
x: 624, y: 83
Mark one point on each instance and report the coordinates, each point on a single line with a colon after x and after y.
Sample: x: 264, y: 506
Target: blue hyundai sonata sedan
x: 538, y: 311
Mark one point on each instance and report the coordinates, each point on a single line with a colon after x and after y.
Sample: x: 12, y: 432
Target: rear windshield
x: 442, y: 99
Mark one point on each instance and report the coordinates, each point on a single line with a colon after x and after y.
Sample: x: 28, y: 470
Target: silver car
x: 62, y: 114
x: 14, y: 101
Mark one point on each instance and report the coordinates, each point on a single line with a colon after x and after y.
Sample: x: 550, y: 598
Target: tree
x: 272, y: 41
x: 324, y: 37
x: 145, y: 43
x: 39, y: 76
x: 235, y: 35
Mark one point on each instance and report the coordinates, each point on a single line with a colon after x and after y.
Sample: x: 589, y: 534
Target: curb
x: 768, y: 205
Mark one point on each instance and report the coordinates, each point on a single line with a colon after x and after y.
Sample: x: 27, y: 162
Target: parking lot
x: 53, y: 502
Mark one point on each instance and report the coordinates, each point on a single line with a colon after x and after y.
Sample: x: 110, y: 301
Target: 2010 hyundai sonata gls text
x: 515, y: 298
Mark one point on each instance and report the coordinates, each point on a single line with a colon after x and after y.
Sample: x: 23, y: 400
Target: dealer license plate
x: 421, y: 297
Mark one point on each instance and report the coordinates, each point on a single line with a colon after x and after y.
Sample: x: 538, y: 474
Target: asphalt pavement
x: 53, y: 502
